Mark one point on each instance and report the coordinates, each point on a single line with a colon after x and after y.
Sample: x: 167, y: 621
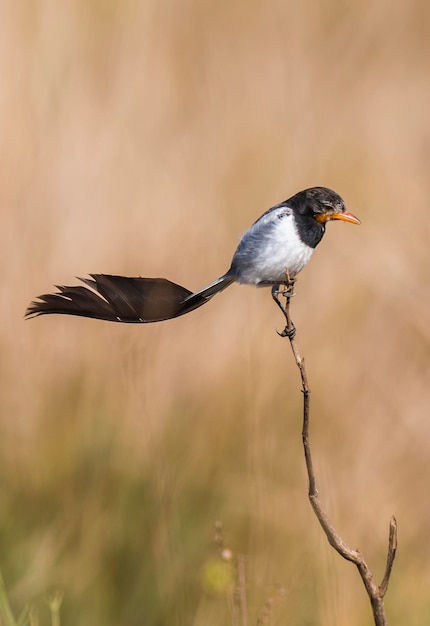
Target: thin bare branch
x: 376, y: 594
x: 392, y: 548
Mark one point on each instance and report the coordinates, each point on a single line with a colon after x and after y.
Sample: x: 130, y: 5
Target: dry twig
x: 375, y: 592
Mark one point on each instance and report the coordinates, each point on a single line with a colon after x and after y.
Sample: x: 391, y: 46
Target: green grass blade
x: 5, y: 609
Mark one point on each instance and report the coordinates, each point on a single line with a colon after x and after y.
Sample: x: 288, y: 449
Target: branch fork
x: 375, y: 592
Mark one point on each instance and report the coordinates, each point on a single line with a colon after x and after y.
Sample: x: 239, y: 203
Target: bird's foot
x: 288, y: 291
x: 289, y: 331
x: 283, y: 289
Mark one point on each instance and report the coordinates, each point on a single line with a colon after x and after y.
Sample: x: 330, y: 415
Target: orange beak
x: 345, y: 216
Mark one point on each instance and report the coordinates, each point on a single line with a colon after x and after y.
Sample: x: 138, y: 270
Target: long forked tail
x: 122, y: 299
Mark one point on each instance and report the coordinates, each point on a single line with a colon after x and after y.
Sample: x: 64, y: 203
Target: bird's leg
x: 275, y: 295
x: 289, y: 330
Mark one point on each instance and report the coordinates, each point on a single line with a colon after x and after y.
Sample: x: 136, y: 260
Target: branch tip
x: 391, y: 555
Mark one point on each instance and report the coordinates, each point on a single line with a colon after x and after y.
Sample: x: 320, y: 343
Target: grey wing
x: 255, y: 241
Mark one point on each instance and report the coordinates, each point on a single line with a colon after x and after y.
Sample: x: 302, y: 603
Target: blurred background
x: 142, y: 138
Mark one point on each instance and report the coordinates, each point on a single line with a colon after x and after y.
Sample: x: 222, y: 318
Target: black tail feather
x: 123, y: 299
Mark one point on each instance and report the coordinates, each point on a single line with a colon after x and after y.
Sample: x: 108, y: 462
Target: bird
x: 272, y: 252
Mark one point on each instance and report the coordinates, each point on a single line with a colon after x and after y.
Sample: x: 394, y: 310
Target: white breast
x: 268, y: 248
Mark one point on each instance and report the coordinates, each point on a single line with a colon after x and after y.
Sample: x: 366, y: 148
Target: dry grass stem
x: 242, y: 589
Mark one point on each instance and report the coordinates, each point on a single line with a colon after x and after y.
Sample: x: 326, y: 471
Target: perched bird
x: 271, y: 253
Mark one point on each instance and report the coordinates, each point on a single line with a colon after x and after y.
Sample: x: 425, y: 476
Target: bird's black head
x: 314, y: 207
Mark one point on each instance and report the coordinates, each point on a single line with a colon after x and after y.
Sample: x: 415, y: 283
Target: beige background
x: 142, y: 138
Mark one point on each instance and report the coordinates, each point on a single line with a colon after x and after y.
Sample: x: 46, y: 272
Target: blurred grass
x: 143, y: 138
